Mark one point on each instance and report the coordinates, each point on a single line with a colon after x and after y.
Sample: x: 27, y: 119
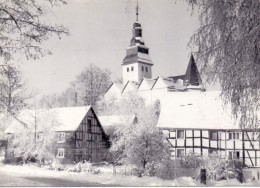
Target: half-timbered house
x: 80, y: 135
x: 196, y: 122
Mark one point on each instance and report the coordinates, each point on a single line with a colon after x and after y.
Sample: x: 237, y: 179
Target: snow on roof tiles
x: 66, y: 118
x: 195, y: 110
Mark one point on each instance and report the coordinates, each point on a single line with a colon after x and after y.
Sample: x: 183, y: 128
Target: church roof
x: 169, y: 82
x: 66, y: 118
x: 116, y: 120
x: 130, y: 86
x: 195, y: 110
x: 192, y: 75
x: 148, y: 82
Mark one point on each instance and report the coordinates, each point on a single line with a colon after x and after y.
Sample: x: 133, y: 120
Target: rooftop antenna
x: 137, y: 9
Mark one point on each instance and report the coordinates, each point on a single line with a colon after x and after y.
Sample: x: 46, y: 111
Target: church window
x: 127, y: 69
x: 143, y: 50
x: 143, y: 68
x: 146, y: 69
x: 132, y: 68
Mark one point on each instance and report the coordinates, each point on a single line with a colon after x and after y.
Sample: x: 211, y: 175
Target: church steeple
x: 137, y: 63
x: 192, y: 75
x: 137, y: 11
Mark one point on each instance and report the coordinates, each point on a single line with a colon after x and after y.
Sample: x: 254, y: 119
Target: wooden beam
x: 250, y: 158
x: 243, y: 147
x: 201, y: 142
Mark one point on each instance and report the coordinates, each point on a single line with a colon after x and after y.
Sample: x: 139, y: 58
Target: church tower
x: 137, y: 63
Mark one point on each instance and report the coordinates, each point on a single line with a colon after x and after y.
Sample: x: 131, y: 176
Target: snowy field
x: 26, y: 176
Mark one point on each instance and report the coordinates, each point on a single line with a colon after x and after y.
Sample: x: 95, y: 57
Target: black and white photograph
x: 129, y: 93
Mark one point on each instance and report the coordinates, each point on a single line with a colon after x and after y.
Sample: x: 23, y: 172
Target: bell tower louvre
x: 137, y: 63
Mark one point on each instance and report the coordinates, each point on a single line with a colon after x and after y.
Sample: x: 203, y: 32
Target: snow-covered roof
x: 146, y: 83
x: 130, y: 86
x: 66, y: 118
x: 116, y: 120
x: 195, y: 110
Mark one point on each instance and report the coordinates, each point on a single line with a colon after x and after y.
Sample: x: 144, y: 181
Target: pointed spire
x: 192, y: 75
x: 137, y: 11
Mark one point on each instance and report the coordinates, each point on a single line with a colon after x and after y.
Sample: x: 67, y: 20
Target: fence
x: 169, y: 173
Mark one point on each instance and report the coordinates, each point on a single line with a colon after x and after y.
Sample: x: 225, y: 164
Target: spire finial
x: 137, y: 9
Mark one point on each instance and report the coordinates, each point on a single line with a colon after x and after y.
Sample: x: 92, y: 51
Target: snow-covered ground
x: 105, y: 178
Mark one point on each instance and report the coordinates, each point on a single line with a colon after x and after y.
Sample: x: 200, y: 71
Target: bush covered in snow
x: 83, y: 167
x: 222, y: 169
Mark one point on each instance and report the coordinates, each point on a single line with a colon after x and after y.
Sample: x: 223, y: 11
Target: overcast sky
x: 100, y: 32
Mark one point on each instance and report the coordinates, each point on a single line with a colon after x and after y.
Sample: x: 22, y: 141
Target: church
x: 191, y: 118
x: 138, y: 78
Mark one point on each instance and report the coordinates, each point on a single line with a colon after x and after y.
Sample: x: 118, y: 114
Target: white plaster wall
x: 189, y: 133
x: 205, y: 134
x: 144, y: 74
x: 172, y: 134
x: 189, y: 142
x: 205, y: 142
x: 180, y: 142
x: 146, y: 95
x: 205, y: 152
x: 197, y: 150
x: 112, y: 95
x: 230, y: 144
x: 131, y: 75
x: 197, y: 142
x: 213, y: 144
x: 197, y: 133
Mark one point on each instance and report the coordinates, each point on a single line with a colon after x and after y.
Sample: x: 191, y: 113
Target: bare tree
x: 13, y: 94
x: 229, y: 52
x: 23, y: 27
x: 90, y: 85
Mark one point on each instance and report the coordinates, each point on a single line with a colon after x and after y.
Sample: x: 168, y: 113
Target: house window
x: 61, y: 137
x: 233, y: 154
x: 143, y: 68
x: 60, y: 153
x: 213, y: 135
x: 180, y: 134
x: 233, y: 135
x: 146, y: 69
x: 127, y: 69
x: 132, y: 68
x: 89, y: 125
x: 180, y: 152
x: 213, y: 151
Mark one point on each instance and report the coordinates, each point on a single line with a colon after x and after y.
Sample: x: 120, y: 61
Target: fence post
x: 203, y: 176
x: 258, y: 175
